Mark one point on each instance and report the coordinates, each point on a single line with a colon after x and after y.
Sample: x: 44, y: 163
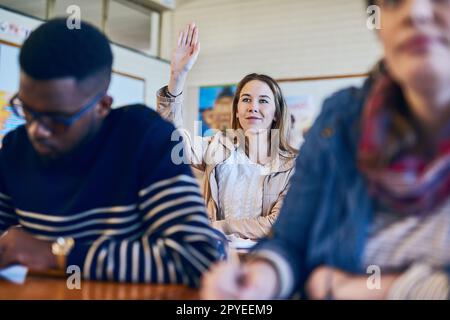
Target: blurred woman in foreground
x: 368, y: 213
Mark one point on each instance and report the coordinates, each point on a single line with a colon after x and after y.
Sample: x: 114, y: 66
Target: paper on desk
x: 236, y: 242
x: 16, y: 274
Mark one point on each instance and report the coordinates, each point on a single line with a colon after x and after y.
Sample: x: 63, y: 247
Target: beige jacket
x: 206, y: 153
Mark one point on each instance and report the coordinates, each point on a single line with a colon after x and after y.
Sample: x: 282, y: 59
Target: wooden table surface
x: 48, y: 288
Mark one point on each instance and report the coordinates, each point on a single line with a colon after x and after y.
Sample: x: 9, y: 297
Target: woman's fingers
x: 221, y: 282
x: 196, y: 50
x: 189, y: 36
x: 190, y: 31
x: 185, y: 36
x: 194, y: 38
x: 180, y: 38
x: 319, y: 283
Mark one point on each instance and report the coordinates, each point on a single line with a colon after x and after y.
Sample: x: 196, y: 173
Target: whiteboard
x: 9, y: 85
x: 9, y: 68
x: 125, y: 89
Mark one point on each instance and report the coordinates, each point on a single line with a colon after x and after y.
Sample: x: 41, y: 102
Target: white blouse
x: 241, y: 184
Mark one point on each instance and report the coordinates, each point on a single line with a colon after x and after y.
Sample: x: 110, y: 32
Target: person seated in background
x: 245, y: 179
x: 370, y: 199
x: 93, y: 187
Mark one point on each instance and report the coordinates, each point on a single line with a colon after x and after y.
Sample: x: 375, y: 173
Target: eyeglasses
x: 55, y: 123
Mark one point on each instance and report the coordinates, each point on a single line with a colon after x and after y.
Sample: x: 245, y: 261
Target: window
x: 133, y: 26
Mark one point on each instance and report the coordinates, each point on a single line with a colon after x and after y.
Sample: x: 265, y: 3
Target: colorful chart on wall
x: 215, y: 105
x: 125, y: 89
x: 9, y: 85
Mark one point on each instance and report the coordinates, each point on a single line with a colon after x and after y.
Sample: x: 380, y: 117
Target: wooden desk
x: 46, y: 288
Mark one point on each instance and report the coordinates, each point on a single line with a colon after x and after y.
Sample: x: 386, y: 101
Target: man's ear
x: 105, y: 106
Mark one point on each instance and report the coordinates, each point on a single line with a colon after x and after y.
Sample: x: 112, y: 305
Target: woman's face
x: 416, y: 38
x: 256, y: 106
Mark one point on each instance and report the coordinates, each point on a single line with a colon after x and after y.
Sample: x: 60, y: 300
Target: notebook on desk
x: 237, y: 243
x: 15, y: 273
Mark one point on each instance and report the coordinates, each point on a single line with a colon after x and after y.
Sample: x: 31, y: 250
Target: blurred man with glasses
x: 84, y: 185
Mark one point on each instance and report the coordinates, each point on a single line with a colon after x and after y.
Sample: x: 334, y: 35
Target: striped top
x: 417, y: 247
x: 135, y: 215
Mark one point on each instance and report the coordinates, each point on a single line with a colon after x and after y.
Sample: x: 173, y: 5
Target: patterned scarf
x: 411, y: 183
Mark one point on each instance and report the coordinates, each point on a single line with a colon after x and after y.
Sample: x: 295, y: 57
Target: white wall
x: 283, y: 38
x: 154, y: 71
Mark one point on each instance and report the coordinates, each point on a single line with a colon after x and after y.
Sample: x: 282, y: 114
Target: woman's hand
x: 327, y: 282
x: 256, y: 280
x: 183, y: 58
x: 323, y: 281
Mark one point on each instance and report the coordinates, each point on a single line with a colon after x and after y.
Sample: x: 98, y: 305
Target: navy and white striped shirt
x: 135, y: 216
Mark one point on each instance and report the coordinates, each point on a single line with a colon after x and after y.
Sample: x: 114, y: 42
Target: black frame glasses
x: 51, y: 120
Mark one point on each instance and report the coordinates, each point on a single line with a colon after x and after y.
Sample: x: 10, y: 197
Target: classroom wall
x: 283, y: 38
x: 154, y: 71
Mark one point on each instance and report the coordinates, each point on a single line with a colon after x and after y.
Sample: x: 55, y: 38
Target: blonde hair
x: 282, y: 120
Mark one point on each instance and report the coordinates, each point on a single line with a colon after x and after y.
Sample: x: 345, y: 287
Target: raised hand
x: 183, y: 58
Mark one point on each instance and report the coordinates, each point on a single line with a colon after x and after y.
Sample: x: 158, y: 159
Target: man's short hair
x: 54, y: 51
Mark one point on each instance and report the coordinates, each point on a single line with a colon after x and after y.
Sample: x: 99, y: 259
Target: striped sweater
x: 416, y: 246
x: 135, y: 216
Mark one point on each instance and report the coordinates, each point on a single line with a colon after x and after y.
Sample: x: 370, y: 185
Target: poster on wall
x: 305, y: 99
x: 302, y: 114
x: 215, y: 104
